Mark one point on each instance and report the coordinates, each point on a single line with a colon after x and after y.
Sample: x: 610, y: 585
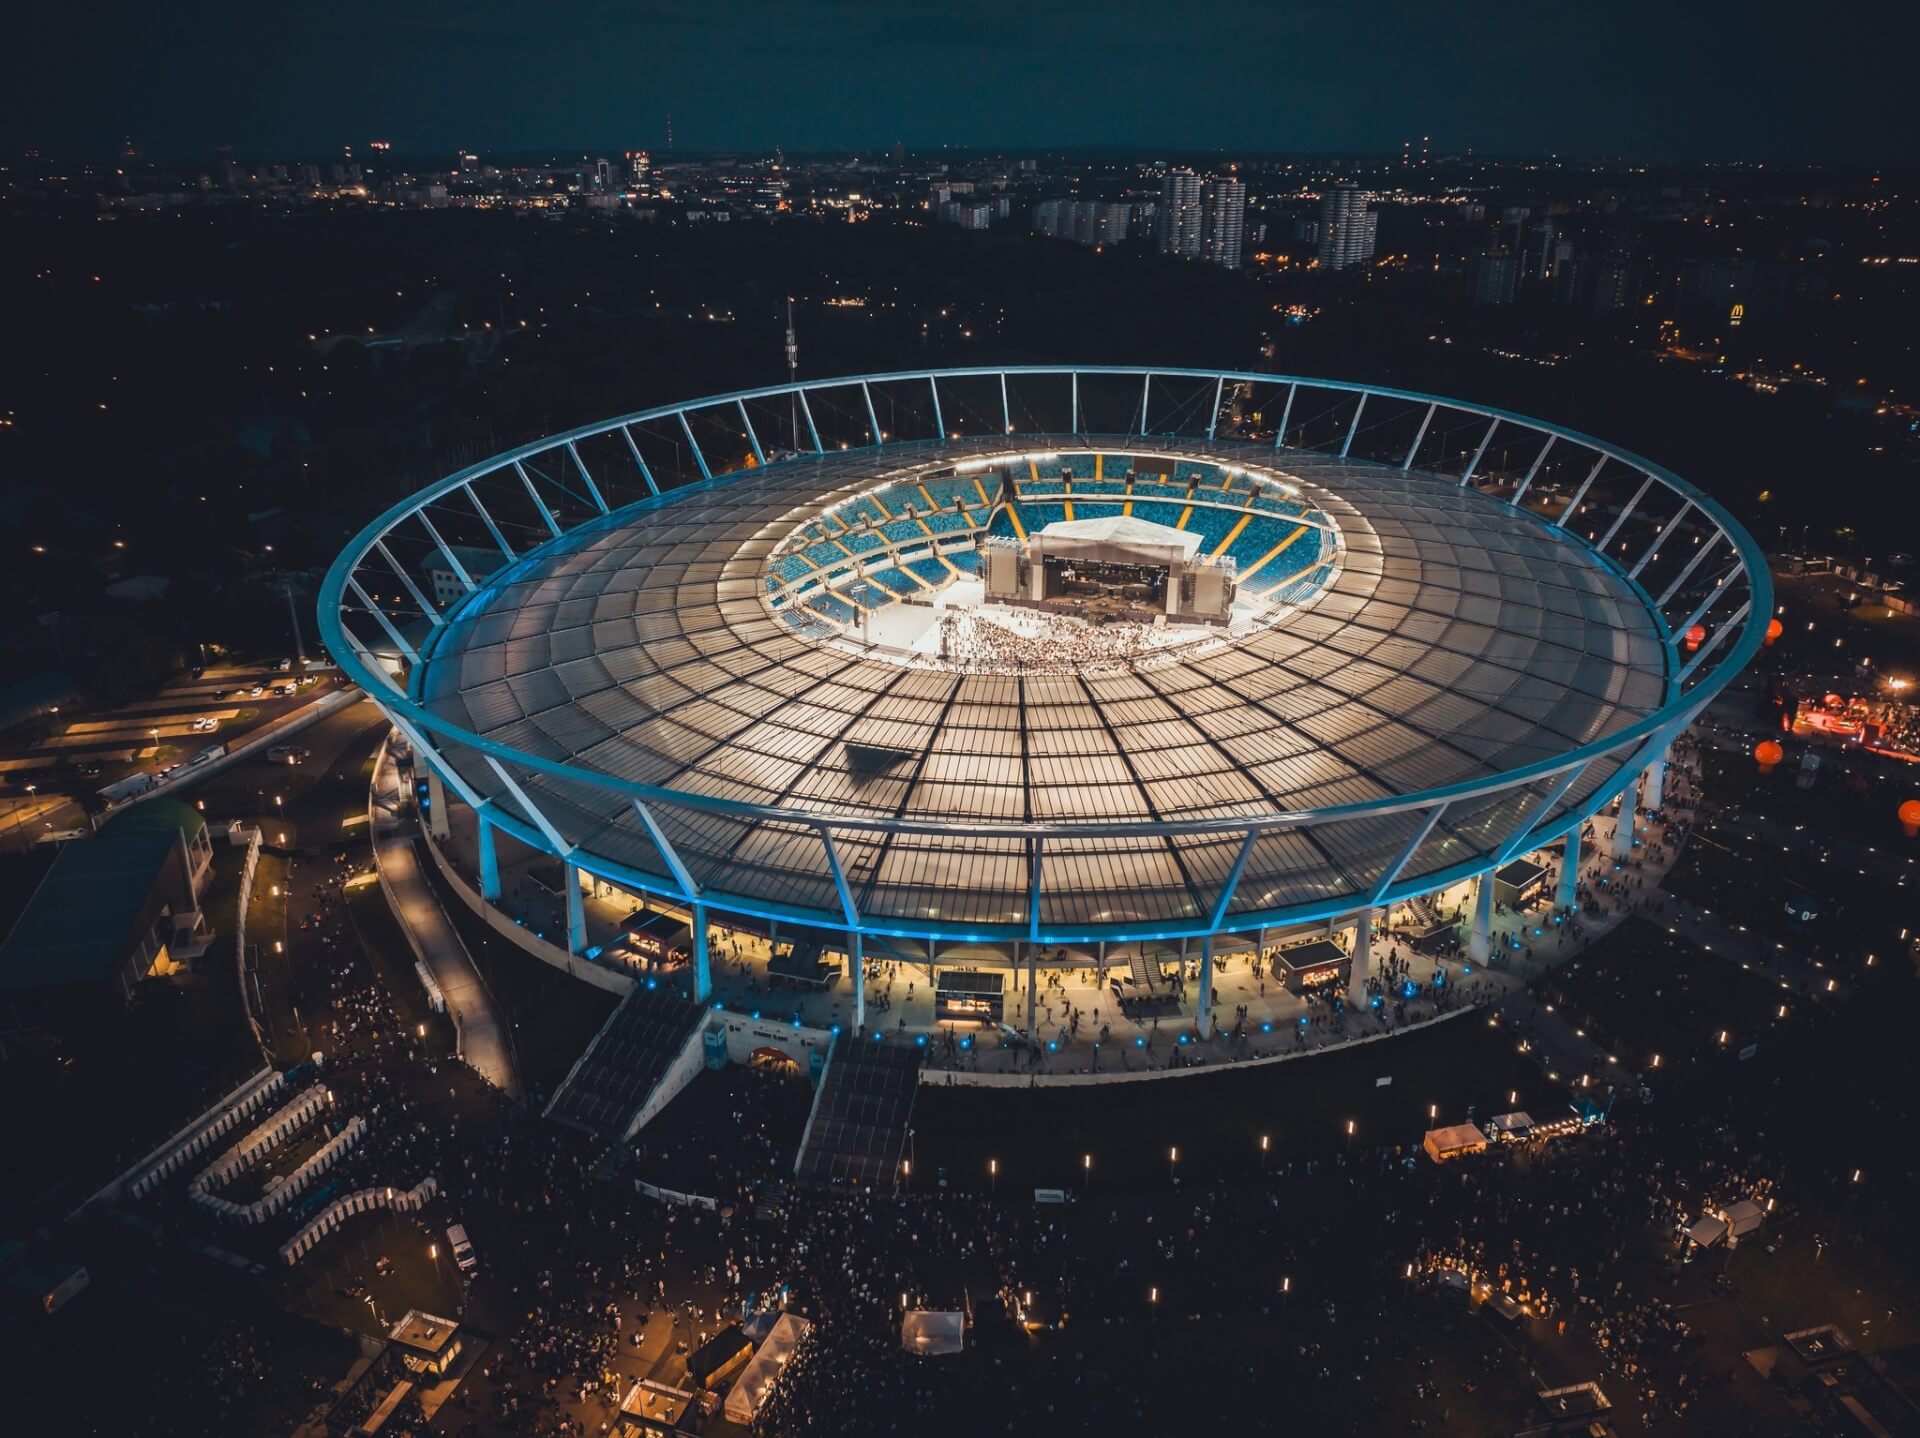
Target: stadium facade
x: 715, y: 652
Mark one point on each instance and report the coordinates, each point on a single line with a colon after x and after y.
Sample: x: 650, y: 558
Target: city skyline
x: 864, y: 76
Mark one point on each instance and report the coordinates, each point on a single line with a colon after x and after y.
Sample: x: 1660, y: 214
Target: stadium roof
x: 1457, y: 640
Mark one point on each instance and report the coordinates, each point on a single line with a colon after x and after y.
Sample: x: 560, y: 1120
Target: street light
x: 993, y: 1174
x: 1263, y: 1153
x: 1173, y: 1157
x: 1086, y: 1167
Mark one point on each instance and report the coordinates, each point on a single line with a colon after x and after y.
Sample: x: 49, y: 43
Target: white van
x: 463, y: 1253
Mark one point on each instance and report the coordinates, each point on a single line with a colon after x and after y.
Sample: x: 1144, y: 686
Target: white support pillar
x: 437, y: 806
x: 1362, y: 960
x: 576, y: 910
x: 489, y: 861
x: 1623, y: 824
x: 1653, y: 783
x: 1480, y: 940
x: 1031, y: 986
x: 857, y: 956
x: 1569, y: 870
x: 1203, y: 1017
x: 702, y: 970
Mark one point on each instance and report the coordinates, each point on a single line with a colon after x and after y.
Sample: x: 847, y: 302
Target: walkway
x: 484, y: 1043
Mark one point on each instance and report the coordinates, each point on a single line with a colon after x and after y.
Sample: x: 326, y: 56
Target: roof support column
x: 1006, y: 408
x: 1414, y: 448
x: 1213, y: 421
x: 939, y: 423
x: 1573, y: 505
x: 759, y: 454
x: 1360, y: 961
x: 646, y: 473
x: 576, y: 910
x: 857, y: 956
x: 1623, y: 822
x: 702, y: 970
x: 1286, y: 413
x: 812, y: 428
x: 1146, y: 382
x: 1534, y: 468
x: 1354, y: 427
x: 873, y: 419
x: 1203, y: 1015
x: 1031, y: 949
x: 1474, y: 463
x: 698, y: 458
x: 1568, y: 889
x: 1076, y: 401
x: 1479, y: 939
x: 1653, y: 782
x: 489, y: 861
x: 1621, y: 518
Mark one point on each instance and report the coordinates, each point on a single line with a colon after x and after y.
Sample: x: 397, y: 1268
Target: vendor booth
x: 1519, y: 883
x: 1311, y: 967
x: 931, y: 1332
x: 756, y: 1380
x: 962, y: 995
x: 1454, y: 1141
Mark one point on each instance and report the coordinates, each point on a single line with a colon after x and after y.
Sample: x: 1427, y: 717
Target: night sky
x: 1645, y: 79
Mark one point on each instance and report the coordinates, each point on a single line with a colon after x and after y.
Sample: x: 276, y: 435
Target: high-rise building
x: 1347, y: 228
x: 1181, y: 215
x: 1496, y: 276
x: 1085, y: 222
x: 1226, y: 225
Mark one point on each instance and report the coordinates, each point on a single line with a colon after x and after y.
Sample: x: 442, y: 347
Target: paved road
x: 483, y: 1039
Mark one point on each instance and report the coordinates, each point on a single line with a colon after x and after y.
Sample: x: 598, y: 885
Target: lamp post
x: 1086, y: 1168
x: 993, y: 1176
x: 1349, y: 1135
x: 1263, y: 1153
x: 1173, y: 1157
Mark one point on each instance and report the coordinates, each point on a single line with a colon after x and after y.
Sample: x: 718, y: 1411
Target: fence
x: 410, y: 1200
x: 281, y: 1124
x: 297, y: 1182
x: 202, y: 1138
x: 247, y: 867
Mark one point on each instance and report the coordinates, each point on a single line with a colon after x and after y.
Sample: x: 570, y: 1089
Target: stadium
x: 980, y: 669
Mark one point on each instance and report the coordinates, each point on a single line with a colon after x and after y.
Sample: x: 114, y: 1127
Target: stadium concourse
x: 1080, y: 1026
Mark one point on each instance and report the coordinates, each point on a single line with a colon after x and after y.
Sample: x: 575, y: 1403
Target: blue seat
x: 903, y: 531
x: 862, y: 543
x: 832, y: 608
x: 949, y: 521
x: 827, y: 555
x: 1156, y: 512
x: 893, y: 579
x: 931, y: 570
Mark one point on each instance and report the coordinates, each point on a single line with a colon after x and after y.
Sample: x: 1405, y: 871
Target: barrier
x: 247, y: 867
x: 281, y: 1124
x: 261, y: 1089
x: 410, y: 1200
x: 297, y: 1182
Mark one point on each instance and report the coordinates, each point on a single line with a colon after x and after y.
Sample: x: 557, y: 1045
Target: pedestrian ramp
x: 646, y: 1052
x: 862, y: 1116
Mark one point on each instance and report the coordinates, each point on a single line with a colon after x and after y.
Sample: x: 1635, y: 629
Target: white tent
x: 1742, y: 1217
x: 929, y: 1332
x: 750, y: 1389
x: 1707, y: 1231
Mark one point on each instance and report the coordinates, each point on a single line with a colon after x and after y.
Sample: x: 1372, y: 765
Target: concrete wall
x: 687, y: 1063
x: 1046, y: 1080
x: 608, y: 979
